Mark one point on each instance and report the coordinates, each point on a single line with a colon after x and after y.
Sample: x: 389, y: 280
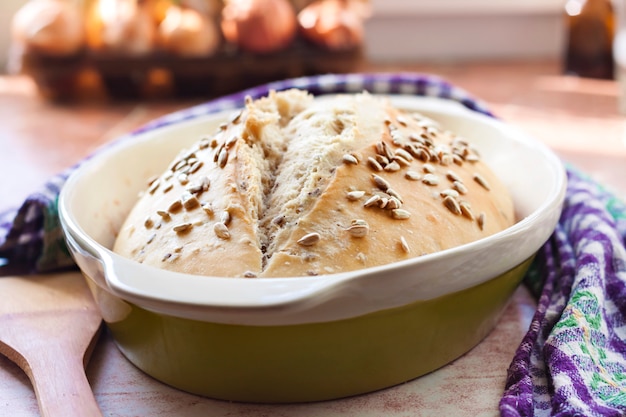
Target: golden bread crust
x: 294, y: 186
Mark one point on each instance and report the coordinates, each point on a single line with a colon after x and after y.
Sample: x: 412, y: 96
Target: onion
x: 187, y: 32
x: 122, y: 26
x: 333, y: 24
x: 259, y: 26
x: 52, y: 27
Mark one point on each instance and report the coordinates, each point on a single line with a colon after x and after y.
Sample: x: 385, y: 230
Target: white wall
x: 466, y: 7
x: 448, y: 30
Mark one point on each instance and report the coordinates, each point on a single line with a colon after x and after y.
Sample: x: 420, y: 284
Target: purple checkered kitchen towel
x: 572, y: 361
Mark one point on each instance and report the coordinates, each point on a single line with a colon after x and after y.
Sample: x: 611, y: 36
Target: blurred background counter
x: 577, y: 117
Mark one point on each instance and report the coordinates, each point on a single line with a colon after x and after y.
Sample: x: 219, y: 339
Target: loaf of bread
x: 294, y: 185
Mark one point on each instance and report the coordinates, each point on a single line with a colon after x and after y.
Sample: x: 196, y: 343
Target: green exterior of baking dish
x: 311, y: 362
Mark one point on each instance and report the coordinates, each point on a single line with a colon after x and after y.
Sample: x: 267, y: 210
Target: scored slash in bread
x: 294, y: 185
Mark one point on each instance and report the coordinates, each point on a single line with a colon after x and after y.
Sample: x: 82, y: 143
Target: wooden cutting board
x: 48, y: 327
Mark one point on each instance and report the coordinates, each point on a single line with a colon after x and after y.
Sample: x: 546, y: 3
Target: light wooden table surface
x: 578, y: 118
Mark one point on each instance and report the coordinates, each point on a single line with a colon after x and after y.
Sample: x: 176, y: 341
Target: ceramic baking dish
x: 307, y: 338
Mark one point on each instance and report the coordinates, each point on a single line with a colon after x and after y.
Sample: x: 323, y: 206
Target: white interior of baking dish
x: 96, y: 199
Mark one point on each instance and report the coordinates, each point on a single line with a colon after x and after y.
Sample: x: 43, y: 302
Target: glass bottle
x: 590, y: 28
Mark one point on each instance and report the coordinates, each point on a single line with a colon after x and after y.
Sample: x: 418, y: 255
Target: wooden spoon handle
x: 48, y: 327
x: 52, y: 350
x: 60, y: 384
